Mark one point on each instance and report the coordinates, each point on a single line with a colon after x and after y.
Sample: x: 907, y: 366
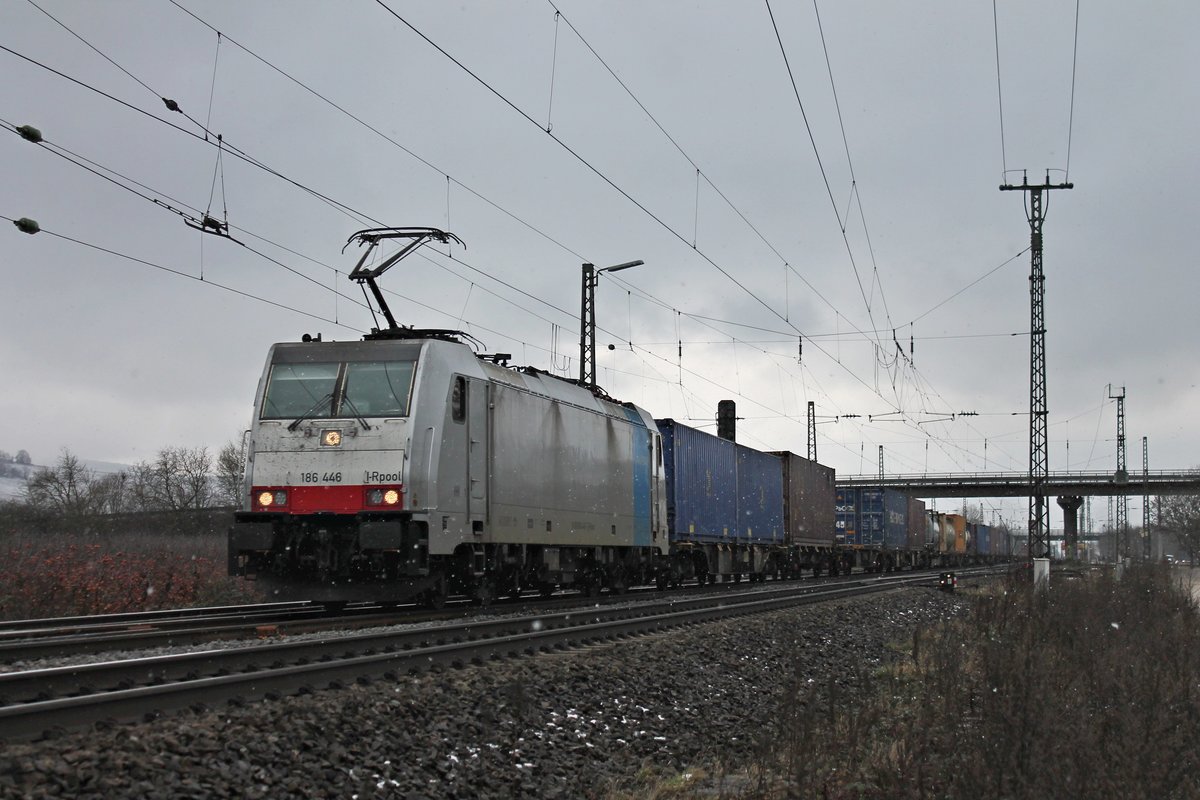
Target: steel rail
x: 106, y: 692
x: 30, y: 640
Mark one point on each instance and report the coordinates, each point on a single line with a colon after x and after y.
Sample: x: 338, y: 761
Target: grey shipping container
x: 809, y: 498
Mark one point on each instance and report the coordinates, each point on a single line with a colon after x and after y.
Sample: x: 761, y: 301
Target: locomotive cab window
x: 377, y: 389
x: 324, y: 391
x: 458, y: 399
x: 296, y: 390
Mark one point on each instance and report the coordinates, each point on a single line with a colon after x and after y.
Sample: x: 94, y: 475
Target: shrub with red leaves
x: 67, y: 575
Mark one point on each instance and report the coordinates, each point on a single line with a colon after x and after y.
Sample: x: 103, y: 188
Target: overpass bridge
x: 1016, y: 484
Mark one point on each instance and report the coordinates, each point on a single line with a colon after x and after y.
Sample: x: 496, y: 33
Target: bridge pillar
x: 1070, y: 505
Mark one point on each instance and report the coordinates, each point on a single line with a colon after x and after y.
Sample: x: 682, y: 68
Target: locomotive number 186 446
x: 318, y: 477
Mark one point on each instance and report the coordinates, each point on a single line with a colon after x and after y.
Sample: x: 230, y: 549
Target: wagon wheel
x: 619, y: 584
x: 435, y: 596
x: 483, y: 594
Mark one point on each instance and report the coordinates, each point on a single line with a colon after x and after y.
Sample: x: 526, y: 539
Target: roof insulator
x: 26, y: 225
x: 30, y: 134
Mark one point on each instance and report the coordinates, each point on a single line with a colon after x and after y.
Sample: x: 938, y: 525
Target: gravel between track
x: 566, y: 725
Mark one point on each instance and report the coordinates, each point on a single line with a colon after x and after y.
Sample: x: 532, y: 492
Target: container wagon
x: 809, y: 518
x: 724, y: 506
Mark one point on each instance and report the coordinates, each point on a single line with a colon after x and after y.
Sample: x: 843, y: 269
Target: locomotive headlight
x: 385, y: 496
x: 331, y: 438
x: 266, y: 498
x: 280, y: 498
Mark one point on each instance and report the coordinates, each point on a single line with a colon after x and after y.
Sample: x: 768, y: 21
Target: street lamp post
x: 587, y: 320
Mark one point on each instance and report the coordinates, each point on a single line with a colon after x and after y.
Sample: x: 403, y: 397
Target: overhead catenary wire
x: 182, y: 274
x: 559, y: 309
x: 373, y: 129
x: 608, y: 180
x: 999, y: 91
x: 700, y: 173
x: 358, y: 217
x: 1071, y: 118
x: 291, y: 78
x: 821, y: 164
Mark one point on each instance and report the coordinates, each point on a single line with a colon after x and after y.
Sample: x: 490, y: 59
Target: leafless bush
x: 1089, y: 690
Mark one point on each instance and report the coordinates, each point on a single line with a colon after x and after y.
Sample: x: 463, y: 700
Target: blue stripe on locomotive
x: 641, y: 479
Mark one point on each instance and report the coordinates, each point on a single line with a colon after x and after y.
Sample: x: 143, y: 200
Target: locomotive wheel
x: 546, y: 589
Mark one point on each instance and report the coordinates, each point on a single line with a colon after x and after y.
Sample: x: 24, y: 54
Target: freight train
x: 399, y: 467
x: 406, y: 466
x: 880, y: 529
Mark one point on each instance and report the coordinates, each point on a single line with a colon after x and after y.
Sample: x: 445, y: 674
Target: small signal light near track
x: 948, y: 582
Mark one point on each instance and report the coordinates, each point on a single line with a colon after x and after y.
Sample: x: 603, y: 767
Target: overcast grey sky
x: 743, y: 244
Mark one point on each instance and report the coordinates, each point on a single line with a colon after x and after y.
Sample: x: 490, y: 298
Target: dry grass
x: 1091, y: 690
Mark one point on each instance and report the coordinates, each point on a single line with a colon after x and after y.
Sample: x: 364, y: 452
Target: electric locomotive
x: 406, y: 465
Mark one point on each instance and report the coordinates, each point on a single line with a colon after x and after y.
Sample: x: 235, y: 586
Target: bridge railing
x: 1134, y: 475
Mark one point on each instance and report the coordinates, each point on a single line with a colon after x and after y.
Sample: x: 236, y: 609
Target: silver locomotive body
x: 385, y: 469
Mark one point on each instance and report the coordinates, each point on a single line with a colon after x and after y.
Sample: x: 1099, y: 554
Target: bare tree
x: 1181, y: 516
x: 177, y: 479
x: 23, y: 457
x: 180, y: 478
x: 231, y: 466
x: 65, y: 488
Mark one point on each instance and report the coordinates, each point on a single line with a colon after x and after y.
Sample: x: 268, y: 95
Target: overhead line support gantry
x: 1039, y: 456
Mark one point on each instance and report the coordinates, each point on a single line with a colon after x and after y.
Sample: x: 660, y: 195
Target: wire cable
x: 999, y: 93
x: 1071, y: 122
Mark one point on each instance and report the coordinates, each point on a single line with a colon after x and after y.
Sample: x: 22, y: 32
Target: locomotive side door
x: 478, y: 400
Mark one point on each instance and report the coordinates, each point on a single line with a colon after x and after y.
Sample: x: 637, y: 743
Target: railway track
x: 34, y: 703
x: 30, y: 640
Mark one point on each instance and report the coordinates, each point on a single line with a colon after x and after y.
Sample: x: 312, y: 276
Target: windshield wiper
x: 309, y: 413
x: 346, y: 399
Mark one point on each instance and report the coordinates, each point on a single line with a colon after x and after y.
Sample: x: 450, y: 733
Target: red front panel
x: 329, y: 499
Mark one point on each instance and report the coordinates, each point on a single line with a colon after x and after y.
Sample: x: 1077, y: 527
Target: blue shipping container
x: 701, y: 476
x: 873, y: 518
x: 760, y: 496
x: 846, y: 517
x: 983, y: 539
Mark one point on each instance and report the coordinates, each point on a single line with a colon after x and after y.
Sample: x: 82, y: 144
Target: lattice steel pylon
x: 1039, y: 454
x: 812, y: 431
x: 1146, y: 550
x: 1121, y: 476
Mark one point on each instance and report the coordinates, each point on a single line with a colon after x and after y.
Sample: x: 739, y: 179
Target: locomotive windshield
x: 378, y: 389
x: 349, y: 389
x: 299, y: 390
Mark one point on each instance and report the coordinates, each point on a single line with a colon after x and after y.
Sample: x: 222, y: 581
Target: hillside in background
x: 13, y: 475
